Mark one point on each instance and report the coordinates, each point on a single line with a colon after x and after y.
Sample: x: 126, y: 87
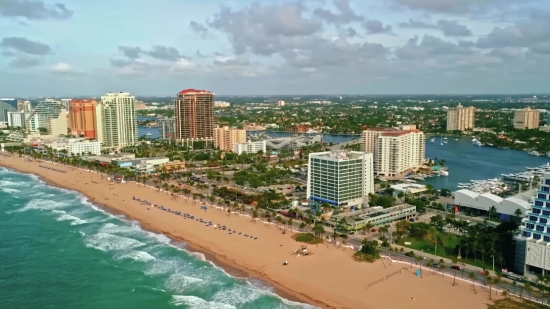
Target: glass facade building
x: 341, y: 179
x: 534, y: 239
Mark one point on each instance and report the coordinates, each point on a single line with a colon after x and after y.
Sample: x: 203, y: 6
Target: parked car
x: 456, y: 267
x: 435, y: 265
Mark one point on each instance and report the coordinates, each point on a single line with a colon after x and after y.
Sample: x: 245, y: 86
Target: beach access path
x: 328, y: 277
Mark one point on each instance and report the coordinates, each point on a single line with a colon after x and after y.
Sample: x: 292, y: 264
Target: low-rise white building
x: 484, y: 202
x: 76, y: 146
x: 250, y: 147
x: 407, y: 188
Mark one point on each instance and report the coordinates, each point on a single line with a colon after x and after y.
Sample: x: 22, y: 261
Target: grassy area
x: 507, y: 303
x: 293, y: 163
x: 446, y: 251
x: 362, y: 257
x: 307, y: 238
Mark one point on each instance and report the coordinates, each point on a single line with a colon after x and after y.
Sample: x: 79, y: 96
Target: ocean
x: 57, y: 250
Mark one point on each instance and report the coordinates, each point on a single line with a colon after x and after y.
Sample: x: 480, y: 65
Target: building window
x: 533, y: 218
x: 543, y: 220
x: 526, y: 234
x: 536, y: 210
x: 545, y: 189
x: 547, y: 181
x: 536, y: 236
x: 547, y: 205
x: 546, y: 238
x: 539, y: 203
x: 541, y: 196
x: 540, y: 228
x: 546, y: 213
x: 530, y: 226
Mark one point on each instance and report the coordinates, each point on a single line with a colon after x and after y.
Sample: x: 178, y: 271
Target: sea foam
x: 109, y: 242
x: 194, y: 302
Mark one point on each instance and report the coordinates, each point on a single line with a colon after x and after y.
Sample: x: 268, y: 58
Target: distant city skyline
x: 271, y: 47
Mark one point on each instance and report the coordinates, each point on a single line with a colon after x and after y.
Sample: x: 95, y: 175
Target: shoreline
x: 231, y: 267
x: 327, y: 278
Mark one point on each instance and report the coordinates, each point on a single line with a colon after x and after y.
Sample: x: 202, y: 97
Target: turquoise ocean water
x: 57, y: 250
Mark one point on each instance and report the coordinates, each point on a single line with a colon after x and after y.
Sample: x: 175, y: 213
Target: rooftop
x: 337, y: 155
x: 191, y: 90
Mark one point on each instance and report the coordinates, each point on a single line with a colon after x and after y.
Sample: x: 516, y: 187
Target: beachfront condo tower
x: 526, y: 118
x: 85, y: 118
x: 49, y: 117
x: 119, y: 125
x: 194, y: 112
x: 5, y: 108
x: 533, y: 244
x: 342, y: 179
x: 395, y: 151
x: 225, y: 138
x: 461, y: 118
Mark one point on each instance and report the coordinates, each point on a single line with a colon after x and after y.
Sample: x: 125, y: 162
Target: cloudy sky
x: 158, y: 47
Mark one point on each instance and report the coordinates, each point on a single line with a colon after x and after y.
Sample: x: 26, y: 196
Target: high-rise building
x: 225, y: 138
x: 85, y: 118
x: 340, y: 178
x: 194, y: 112
x: 526, y: 118
x: 5, y: 108
x: 250, y: 147
x: 49, y: 117
x: 461, y: 118
x: 10, y: 101
x: 395, y: 151
x: 167, y: 127
x: 119, y: 127
x: 533, y: 244
x: 24, y: 106
x: 17, y: 119
x: 65, y: 103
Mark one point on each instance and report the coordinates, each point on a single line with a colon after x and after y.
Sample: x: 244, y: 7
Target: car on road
x: 456, y: 267
x: 435, y: 265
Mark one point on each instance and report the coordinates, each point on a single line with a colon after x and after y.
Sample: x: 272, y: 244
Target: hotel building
x: 461, y: 118
x: 526, y: 118
x: 167, y: 127
x: 250, y: 147
x: 225, y: 138
x: 533, y: 244
x: 50, y: 115
x: 85, y: 118
x: 17, y: 119
x: 24, y: 106
x: 119, y: 127
x: 194, y: 112
x: 340, y: 178
x: 5, y: 108
x: 395, y: 151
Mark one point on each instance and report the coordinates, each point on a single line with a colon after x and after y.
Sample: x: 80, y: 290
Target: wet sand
x: 328, y: 277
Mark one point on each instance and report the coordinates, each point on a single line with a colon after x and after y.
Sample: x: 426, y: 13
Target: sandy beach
x: 327, y: 278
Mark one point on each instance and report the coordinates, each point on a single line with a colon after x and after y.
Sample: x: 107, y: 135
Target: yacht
x: 477, y: 143
x: 432, y: 139
x: 444, y: 173
x: 534, y: 153
x: 149, y: 134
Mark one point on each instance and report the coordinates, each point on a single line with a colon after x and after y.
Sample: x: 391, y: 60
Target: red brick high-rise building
x: 84, y: 118
x: 194, y: 113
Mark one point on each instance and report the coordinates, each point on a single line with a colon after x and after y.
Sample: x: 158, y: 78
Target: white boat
x: 534, y: 153
x: 445, y: 138
x: 432, y: 139
x: 456, y: 139
x: 477, y: 143
x: 149, y: 134
x: 444, y: 173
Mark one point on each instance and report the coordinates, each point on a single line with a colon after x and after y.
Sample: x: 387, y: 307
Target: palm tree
x: 289, y: 222
x: 319, y: 230
x: 471, y: 276
x: 442, y: 267
x: 518, y: 213
x: 279, y: 219
x: 490, y: 282
x: 269, y: 221
x: 254, y: 214
x: 383, y: 230
x: 368, y: 227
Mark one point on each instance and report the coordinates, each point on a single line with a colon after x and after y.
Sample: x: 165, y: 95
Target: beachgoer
x: 285, y: 263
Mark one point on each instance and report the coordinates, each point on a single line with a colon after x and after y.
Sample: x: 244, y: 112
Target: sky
x: 269, y: 47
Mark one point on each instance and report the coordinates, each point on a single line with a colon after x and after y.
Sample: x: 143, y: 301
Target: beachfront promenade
x: 197, y: 212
